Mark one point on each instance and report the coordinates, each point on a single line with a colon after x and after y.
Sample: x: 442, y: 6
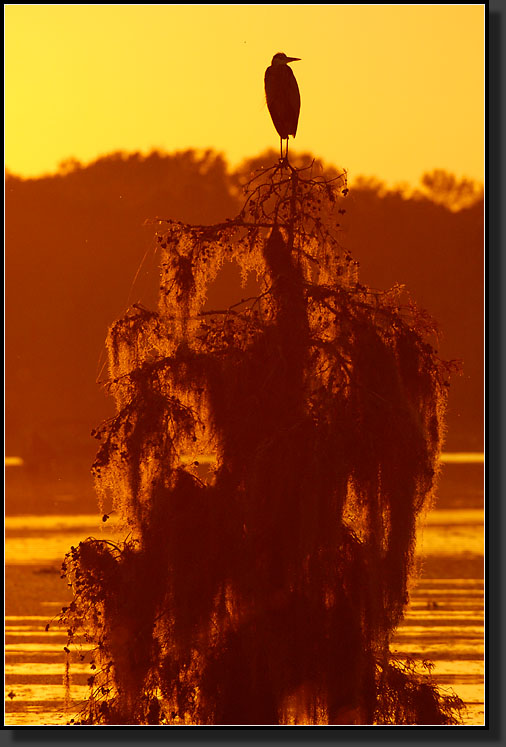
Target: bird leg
x: 284, y: 158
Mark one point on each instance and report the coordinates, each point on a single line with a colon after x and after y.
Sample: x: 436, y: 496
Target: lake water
x: 443, y: 623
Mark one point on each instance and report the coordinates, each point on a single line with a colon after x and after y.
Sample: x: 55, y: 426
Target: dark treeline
x: 75, y: 242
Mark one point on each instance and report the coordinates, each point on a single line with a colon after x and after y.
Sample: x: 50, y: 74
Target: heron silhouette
x: 283, y: 97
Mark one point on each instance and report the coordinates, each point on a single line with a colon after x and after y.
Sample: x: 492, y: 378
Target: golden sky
x: 387, y: 90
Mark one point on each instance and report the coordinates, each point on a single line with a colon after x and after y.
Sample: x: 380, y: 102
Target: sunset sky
x: 387, y: 90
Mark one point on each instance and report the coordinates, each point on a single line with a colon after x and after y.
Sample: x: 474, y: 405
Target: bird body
x: 283, y: 97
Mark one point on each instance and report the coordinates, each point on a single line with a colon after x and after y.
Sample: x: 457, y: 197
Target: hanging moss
x: 267, y: 590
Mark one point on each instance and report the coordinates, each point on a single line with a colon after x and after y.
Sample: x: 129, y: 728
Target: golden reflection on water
x: 452, y: 532
x: 32, y: 540
x: 462, y: 457
x: 444, y: 621
x: 458, y: 457
x: 440, y: 531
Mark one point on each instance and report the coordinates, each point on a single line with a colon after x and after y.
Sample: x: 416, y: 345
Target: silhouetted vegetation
x: 266, y: 590
x: 78, y: 253
x: 445, y: 189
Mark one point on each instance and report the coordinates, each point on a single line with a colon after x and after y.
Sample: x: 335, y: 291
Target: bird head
x: 280, y: 58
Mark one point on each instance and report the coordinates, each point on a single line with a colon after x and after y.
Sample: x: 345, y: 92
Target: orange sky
x: 387, y: 90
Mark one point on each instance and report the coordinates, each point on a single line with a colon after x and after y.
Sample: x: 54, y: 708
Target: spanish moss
x: 264, y: 586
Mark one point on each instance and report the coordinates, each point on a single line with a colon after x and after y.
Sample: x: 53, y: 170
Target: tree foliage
x: 266, y: 589
x: 455, y: 194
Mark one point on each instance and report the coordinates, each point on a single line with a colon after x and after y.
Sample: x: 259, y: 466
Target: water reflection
x: 444, y: 621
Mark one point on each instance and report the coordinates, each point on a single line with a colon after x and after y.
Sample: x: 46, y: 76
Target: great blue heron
x: 283, y: 97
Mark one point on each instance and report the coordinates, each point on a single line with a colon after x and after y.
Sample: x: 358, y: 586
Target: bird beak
x: 293, y: 59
